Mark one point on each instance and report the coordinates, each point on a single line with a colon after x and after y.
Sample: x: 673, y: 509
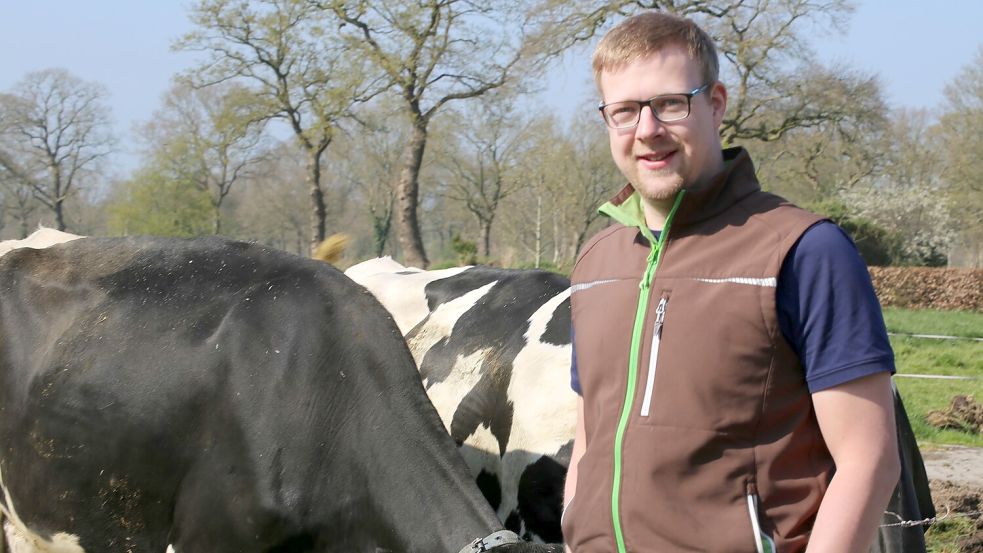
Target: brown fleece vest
x: 729, y: 428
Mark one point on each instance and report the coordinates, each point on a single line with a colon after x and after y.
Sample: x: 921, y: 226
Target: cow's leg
x: 15, y: 541
x: 18, y: 538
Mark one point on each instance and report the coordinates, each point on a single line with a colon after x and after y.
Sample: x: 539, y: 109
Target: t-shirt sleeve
x: 828, y: 311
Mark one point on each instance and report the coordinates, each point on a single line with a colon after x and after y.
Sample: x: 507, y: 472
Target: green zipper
x: 655, y: 255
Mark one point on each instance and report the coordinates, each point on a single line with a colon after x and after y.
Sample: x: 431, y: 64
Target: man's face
x: 658, y: 158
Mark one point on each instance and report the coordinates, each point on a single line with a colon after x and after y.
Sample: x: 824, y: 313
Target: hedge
x: 929, y: 288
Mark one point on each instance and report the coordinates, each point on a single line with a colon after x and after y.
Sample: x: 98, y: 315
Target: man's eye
x: 623, y: 109
x: 670, y: 103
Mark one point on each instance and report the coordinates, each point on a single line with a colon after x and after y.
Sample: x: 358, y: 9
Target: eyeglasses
x: 665, y: 108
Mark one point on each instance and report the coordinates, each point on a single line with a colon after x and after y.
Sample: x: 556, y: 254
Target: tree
x: 365, y: 160
x: 525, y: 222
x: 16, y: 190
x: 566, y: 174
x: 828, y: 159
x: 155, y: 203
x: 269, y: 208
x: 588, y: 179
x: 206, y: 136
x: 908, y: 197
x: 59, y: 129
x: 480, y: 162
x: 300, y: 73
x: 877, y: 245
x: 435, y: 52
x: 775, y: 83
x: 880, y: 180
x: 961, y: 131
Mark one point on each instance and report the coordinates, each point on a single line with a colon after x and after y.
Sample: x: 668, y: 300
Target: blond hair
x: 647, y: 33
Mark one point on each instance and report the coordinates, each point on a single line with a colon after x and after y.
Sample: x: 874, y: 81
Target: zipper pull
x: 649, y: 269
x: 660, y: 313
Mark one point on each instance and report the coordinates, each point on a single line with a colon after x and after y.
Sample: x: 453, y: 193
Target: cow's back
x: 210, y: 394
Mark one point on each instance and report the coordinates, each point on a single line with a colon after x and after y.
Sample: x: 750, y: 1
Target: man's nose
x: 648, y: 125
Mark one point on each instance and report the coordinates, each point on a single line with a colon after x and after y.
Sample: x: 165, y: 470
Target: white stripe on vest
x: 770, y: 282
x: 585, y: 285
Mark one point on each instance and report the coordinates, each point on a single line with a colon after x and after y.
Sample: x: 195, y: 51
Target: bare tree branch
x: 59, y: 129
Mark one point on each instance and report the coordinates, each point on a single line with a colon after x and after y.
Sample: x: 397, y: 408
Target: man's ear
x: 718, y: 102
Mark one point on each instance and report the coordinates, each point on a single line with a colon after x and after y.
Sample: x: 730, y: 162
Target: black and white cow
x: 215, y: 396
x: 493, y: 348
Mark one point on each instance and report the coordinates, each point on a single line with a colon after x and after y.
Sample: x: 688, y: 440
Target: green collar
x: 631, y: 214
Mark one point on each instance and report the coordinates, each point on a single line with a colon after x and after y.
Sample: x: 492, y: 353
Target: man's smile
x: 656, y: 160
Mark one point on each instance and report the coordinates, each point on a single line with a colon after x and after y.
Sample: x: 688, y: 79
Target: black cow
x: 493, y: 348
x: 215, y: 396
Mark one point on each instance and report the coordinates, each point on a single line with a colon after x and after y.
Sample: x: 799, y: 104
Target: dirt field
x: 960, y: 465
x: 956, y: 477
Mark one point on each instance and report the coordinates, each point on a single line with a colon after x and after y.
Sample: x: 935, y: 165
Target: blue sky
x: 915, y: 46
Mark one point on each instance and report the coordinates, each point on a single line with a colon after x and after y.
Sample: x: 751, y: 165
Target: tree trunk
x: 380, y: 229
x: 60, y: 214
x: 579, y: 241
x: 318, y: 211
x: 539, y: 229
x: 486, y: 236
x: 556, y: 239
x: 407, y: 194
x: 216, y: 220
x: 582, y: 233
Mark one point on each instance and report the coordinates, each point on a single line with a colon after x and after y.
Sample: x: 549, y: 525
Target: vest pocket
x: 762, y: 541
x: 660, y: 319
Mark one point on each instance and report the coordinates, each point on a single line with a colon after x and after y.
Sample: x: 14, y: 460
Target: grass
x: 944, y: 536
x: 937, y: 357
x: 927, y: 321
x: 920, y: 396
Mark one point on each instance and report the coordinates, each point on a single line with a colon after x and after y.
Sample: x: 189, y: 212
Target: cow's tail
x: 332, y: 248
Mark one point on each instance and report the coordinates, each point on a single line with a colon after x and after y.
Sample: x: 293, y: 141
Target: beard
x: 660, y: 185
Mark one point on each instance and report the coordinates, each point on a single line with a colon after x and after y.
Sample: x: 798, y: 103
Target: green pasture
x: 938, y: 357
x: 928, y: 321
x: 927, y: 356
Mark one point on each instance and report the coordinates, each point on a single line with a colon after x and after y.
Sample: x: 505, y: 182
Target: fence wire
x: 926, y: 521
x: 936, y: 336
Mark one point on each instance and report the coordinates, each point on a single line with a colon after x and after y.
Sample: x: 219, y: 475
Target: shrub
x: 929, y: 288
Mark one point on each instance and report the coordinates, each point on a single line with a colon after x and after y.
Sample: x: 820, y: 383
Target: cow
x: 39, y: 239
x: 206, y: 395
x: 501, y: 338
x: 493, y: 349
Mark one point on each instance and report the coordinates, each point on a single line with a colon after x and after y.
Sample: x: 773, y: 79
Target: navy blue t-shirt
x: 827, y: 311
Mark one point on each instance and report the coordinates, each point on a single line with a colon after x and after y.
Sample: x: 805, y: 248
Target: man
x: 729, y: 350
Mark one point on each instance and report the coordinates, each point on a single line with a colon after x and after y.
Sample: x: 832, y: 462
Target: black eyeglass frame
x: 642, y: 103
